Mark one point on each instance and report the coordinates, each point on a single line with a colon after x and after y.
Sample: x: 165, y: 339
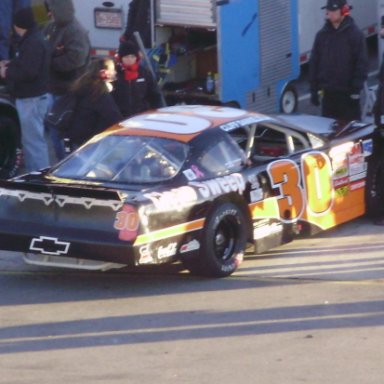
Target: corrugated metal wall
x: 199, y: 13
x: 275, y: 52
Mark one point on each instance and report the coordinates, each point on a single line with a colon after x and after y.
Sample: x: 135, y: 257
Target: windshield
x: 131, y: 159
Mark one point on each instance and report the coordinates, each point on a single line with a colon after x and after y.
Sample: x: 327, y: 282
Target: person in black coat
x: 338, y: 64
x: 139, y: 20
x: 27, y: 77
x: 135, y: 90
x: 95, y: 108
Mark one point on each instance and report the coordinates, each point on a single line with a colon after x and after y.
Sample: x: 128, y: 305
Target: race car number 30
x: 309, y: 188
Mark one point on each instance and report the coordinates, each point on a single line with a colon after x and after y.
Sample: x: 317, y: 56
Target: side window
x: 216, y: 153
x: 240, y: 136
x: 270, y: 142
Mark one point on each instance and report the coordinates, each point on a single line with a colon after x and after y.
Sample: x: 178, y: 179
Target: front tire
x: 223, y: 244
x: 10, y: 147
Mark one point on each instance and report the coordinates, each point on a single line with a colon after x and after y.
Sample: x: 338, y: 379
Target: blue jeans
x: 57, y: 140
x: 31, y: 112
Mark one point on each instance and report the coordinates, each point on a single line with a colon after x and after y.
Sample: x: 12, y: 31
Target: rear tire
x: 374, y: 191
x: 10, y: 147
x: 223, y: 244
x: 289, y: 100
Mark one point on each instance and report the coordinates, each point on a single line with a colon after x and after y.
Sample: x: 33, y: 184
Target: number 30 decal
x: 317, y: 191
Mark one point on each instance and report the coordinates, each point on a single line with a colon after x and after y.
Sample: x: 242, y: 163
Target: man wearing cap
x: 27, y: 78
x: 339, y: 64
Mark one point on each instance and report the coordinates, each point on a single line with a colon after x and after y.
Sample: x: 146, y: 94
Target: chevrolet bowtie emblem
x: 49, y: 246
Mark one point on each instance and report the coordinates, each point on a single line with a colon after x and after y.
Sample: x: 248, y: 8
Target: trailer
x: 105, y: 21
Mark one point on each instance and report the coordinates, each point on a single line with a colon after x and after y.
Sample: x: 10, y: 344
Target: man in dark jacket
x: 135, y: 90
x: 27, y: 77
x: 70, y: 51
x: 7, y: 9
x: 339, y: 64
x: 139, y: 19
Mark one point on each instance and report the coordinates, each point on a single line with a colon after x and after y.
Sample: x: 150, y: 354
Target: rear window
x: 130, y: 159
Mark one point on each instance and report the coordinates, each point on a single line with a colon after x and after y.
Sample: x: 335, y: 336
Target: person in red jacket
x: 134, y: 90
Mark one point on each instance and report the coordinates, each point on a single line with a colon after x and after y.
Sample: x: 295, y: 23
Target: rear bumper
x: 64, y: 242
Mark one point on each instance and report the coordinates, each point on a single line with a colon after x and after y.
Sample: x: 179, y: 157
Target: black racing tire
x: 223, y: 244
x: 374, y: 190
x: 10, y: 147
x: 289, y: 100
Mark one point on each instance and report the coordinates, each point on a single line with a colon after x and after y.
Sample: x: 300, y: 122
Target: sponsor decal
x: 174, y: 199
x: 253, y: 180
x: 178, y: 198
x: 240, y: 123
x: 221, y: 185
x: 342, y: 192
x: 193, y: 245
x: 340, y: 182
x: 357, y: 164
x: 49, y: 246
x: 196, y: 170
x: 127, y: 223
x: 367, y: 147
x: 167, y: 251
x: 358, y: 185
x: 145, y: 255
x: 190, y: 175
x: 193, y: 173
x: 256, y: 195
x: 358, y: 176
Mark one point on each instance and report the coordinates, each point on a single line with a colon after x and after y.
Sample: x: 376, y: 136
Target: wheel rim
x: 225, y: 239
x: 288, y: 102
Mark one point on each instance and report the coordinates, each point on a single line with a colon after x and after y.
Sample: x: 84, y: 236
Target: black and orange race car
x: 196, y: 184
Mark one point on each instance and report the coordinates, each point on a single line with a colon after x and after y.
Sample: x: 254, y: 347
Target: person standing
x: 70, y: 52
x: 338, y: 66
x: 139, y: 20
x: 95, y: 108
x: 7, y: 10
x: 27, y: 78
x: 134, y: 90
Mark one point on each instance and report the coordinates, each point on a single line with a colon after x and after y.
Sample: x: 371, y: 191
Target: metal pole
x: 139, y: 41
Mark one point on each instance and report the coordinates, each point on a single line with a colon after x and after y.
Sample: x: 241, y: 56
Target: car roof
x: 185, y: 122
